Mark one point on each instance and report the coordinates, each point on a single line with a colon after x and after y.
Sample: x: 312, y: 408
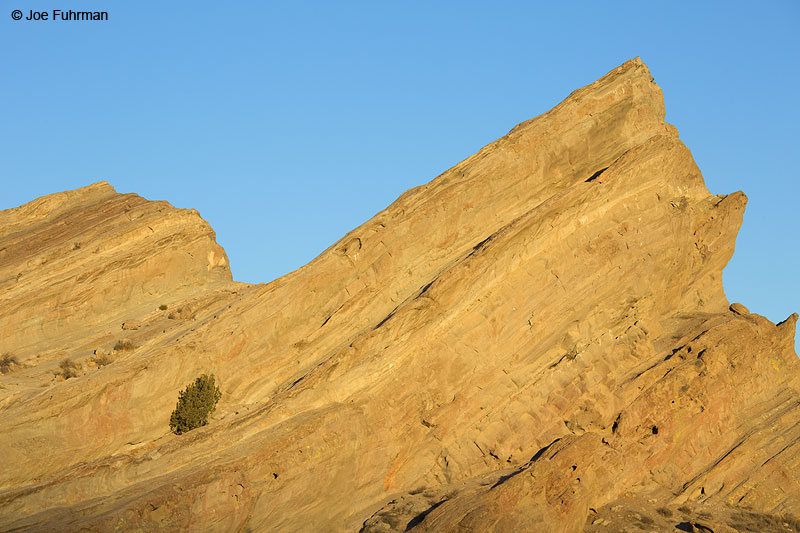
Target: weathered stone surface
x: 539, y: 336
x: 74, y: 260
x: 739, y: 309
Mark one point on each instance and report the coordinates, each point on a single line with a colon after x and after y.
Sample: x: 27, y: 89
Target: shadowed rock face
x: 536, y: 339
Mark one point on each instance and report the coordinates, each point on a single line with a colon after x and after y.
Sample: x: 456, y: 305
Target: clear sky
x: 286, y: 124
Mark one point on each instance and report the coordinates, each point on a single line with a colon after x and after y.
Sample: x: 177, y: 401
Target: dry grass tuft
x: 102, y: 360
x: 124, y: 346
x: 69, y: 369
x: 7, y: 362
x: 749, y: 521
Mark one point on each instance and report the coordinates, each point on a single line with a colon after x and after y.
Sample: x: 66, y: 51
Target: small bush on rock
x: 195, y: 404
x: 102, y: 360
x: 124, y: 346
x: 7, y: 362
x: 69, y: 369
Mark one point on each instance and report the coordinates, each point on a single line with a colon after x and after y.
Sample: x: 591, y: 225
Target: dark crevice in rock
x: 541, y: 452
x: 382, y: 322
x: 331, y: 315
x: 481, y: 244
x: 417, y: 520
x: 595, y: 175
x: 426, y: 287
x: 674, y: 351
x: 615, y: 425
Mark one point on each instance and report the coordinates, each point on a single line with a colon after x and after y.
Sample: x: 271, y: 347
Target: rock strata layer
x: 537, y: 339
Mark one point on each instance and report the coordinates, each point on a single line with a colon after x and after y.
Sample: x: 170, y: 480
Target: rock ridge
x: 539, y: 335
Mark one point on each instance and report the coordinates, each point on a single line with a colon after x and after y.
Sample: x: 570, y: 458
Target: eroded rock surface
x: 538, y: 339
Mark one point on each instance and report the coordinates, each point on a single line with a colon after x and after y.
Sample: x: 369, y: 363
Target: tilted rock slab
x: 538, y: 339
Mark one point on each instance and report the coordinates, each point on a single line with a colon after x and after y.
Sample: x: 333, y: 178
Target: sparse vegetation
x: 178, y: 314
x: 749, y: 521
x: 102, y: 360
x: 7, y: 362
x: 195, y: 404
x: 163, y: 307
x: 69, y: 369
x: 124, y: 346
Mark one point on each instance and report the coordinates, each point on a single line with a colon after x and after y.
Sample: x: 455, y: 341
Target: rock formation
x: 538, y: 339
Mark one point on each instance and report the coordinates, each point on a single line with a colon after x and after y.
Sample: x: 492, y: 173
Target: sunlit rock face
x: 538, y: 339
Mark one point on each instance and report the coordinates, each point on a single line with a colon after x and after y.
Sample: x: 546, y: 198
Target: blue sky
x: 286, y: 124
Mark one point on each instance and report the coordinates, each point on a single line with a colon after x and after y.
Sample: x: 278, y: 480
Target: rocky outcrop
x: 537, y: 336
x: 72, y: 261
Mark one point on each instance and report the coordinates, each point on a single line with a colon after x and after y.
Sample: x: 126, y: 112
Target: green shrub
x: 6, y: 362
x: 163, y: 307
x: 196, y: 402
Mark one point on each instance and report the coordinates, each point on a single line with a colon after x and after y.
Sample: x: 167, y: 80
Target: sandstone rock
x: 537, y: 336
x: 739, y: 309
x: 77, y: 260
